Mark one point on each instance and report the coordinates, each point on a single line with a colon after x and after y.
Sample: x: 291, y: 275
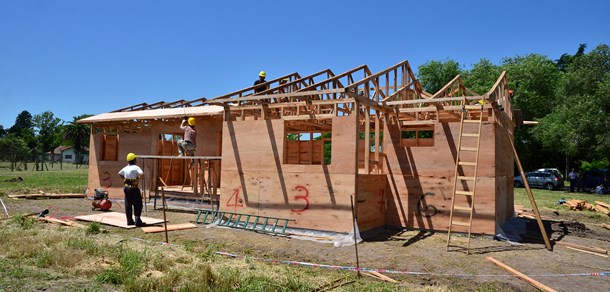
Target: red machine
x: 101, y: 201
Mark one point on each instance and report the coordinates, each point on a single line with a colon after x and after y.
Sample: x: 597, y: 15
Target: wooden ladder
x: 467, y: 185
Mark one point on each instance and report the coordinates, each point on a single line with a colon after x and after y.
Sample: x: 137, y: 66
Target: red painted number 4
x: 234, y: 200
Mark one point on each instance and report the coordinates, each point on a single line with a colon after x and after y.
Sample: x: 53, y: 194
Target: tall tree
x: 13, y: 149
x: 534, y: 79
x: 566, y: 59
x: 482, y: 76
x: 2, y: 131
x: 435, y: 74
x: 580, y: 124
x: 78, y: 135
x: 24, y: 129
x: 48, y: 129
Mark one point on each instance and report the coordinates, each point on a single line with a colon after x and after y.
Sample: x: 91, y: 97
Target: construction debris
x: 584, y: 205
x: 43, y: 195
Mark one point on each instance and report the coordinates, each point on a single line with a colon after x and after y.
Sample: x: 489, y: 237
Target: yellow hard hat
x: 131, y: 156
x: 191, y: 121
x: 262, y: 74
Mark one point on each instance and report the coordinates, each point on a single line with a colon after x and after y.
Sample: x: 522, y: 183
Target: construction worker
x: 261, y: 80
x: 131, y: 175
x: 189, y: 143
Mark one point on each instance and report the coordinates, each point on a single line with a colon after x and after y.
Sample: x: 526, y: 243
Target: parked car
x: 591, y: 179
x: 539, y: 179
x: 555, y: 171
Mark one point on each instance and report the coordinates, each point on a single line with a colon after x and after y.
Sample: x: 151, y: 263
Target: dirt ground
x: 404, y: 250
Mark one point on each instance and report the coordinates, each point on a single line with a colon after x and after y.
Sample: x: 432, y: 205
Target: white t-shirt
x: 131, y: 171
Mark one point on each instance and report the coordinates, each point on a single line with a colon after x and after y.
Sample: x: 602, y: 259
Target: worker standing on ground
x: 131, y: 175
x: 189, y: 143
x: 261, y: 80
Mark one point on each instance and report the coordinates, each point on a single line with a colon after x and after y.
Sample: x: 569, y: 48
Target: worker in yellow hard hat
x: 189, y: 142
x: 131, y: 175
x: 261, y: 80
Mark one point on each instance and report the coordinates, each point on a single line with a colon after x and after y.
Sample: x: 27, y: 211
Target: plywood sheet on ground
x: 115, y: 219
x: 170, y: 227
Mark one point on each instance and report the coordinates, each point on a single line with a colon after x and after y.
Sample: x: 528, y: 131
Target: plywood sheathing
x: 104, y: 174
x: 256, y: 181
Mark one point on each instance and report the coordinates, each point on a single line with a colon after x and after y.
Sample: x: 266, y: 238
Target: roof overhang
x: 165, y: 113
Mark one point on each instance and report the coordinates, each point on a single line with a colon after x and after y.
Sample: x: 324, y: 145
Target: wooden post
x: 354, y: 216
x: 164, y: 217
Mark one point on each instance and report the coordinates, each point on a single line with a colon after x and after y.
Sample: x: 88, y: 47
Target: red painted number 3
x: 106, y: 178
x: 302, y: 197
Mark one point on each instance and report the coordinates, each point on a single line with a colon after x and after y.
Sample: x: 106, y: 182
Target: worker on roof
x: 261, y: 80
x: 189, y: 142
x: 131, y: 175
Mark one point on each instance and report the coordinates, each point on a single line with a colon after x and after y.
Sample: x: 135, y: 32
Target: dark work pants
x: 573, y: 183
x: 133, y: 199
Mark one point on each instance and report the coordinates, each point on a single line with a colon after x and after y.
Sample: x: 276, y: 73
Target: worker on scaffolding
x: 261, y: 80
x: 189, y: 143
x: 131, y: 175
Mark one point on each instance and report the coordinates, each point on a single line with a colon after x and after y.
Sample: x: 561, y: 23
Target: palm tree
x: 78, y: 135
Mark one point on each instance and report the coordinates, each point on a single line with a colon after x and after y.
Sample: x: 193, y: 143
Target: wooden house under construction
x: 303, y: 147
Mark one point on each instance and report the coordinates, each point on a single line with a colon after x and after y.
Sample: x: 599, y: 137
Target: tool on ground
x: 101, y: 201
x: 43, y: 213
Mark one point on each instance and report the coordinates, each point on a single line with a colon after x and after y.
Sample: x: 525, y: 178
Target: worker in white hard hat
x: 189, y: 142
x: 131, y: 175
x: 261, y: 80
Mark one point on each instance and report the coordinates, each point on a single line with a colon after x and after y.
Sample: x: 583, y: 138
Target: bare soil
x: 404, y: 250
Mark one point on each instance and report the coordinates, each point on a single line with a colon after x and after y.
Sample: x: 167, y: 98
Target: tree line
x: 32, y: 138
x: 568, y: 97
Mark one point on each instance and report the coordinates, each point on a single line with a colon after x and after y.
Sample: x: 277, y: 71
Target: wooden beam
x: 277, y: 95
x: 587, y: 248
x: 521, y: 275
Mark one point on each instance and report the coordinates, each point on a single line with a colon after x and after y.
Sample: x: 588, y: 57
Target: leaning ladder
x: 463, y: 190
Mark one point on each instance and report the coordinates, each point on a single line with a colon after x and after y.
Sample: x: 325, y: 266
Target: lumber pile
x: 43, y: 195
x: 584, y: 205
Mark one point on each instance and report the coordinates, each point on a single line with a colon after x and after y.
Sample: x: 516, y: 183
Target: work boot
x: 139, y: 223
x: 130, y: 223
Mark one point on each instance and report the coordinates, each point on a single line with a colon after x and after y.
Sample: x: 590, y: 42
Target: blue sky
x: 75, y: 57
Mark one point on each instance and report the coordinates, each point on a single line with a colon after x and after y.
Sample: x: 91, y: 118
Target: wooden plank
x: 170, y: 227
x: 586, y: 251
x: 47, y: 196
x: 62, y: 222
x: 521, y: 275
x: 603, y: 204
x: 587, y: 248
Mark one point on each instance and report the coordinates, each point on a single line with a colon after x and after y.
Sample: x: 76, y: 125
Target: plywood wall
x: 421, y: 180
x: 104, y: 174
x: 255, y: 180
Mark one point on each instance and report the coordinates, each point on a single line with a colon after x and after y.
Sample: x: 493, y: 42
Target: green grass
x: 548, y: 200
x: 68, y: 180
x: 68, y: 259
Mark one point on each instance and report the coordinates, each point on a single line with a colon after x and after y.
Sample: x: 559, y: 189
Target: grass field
x: 69, y: 179
x: 547, y: 201
x: 36, y: 256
